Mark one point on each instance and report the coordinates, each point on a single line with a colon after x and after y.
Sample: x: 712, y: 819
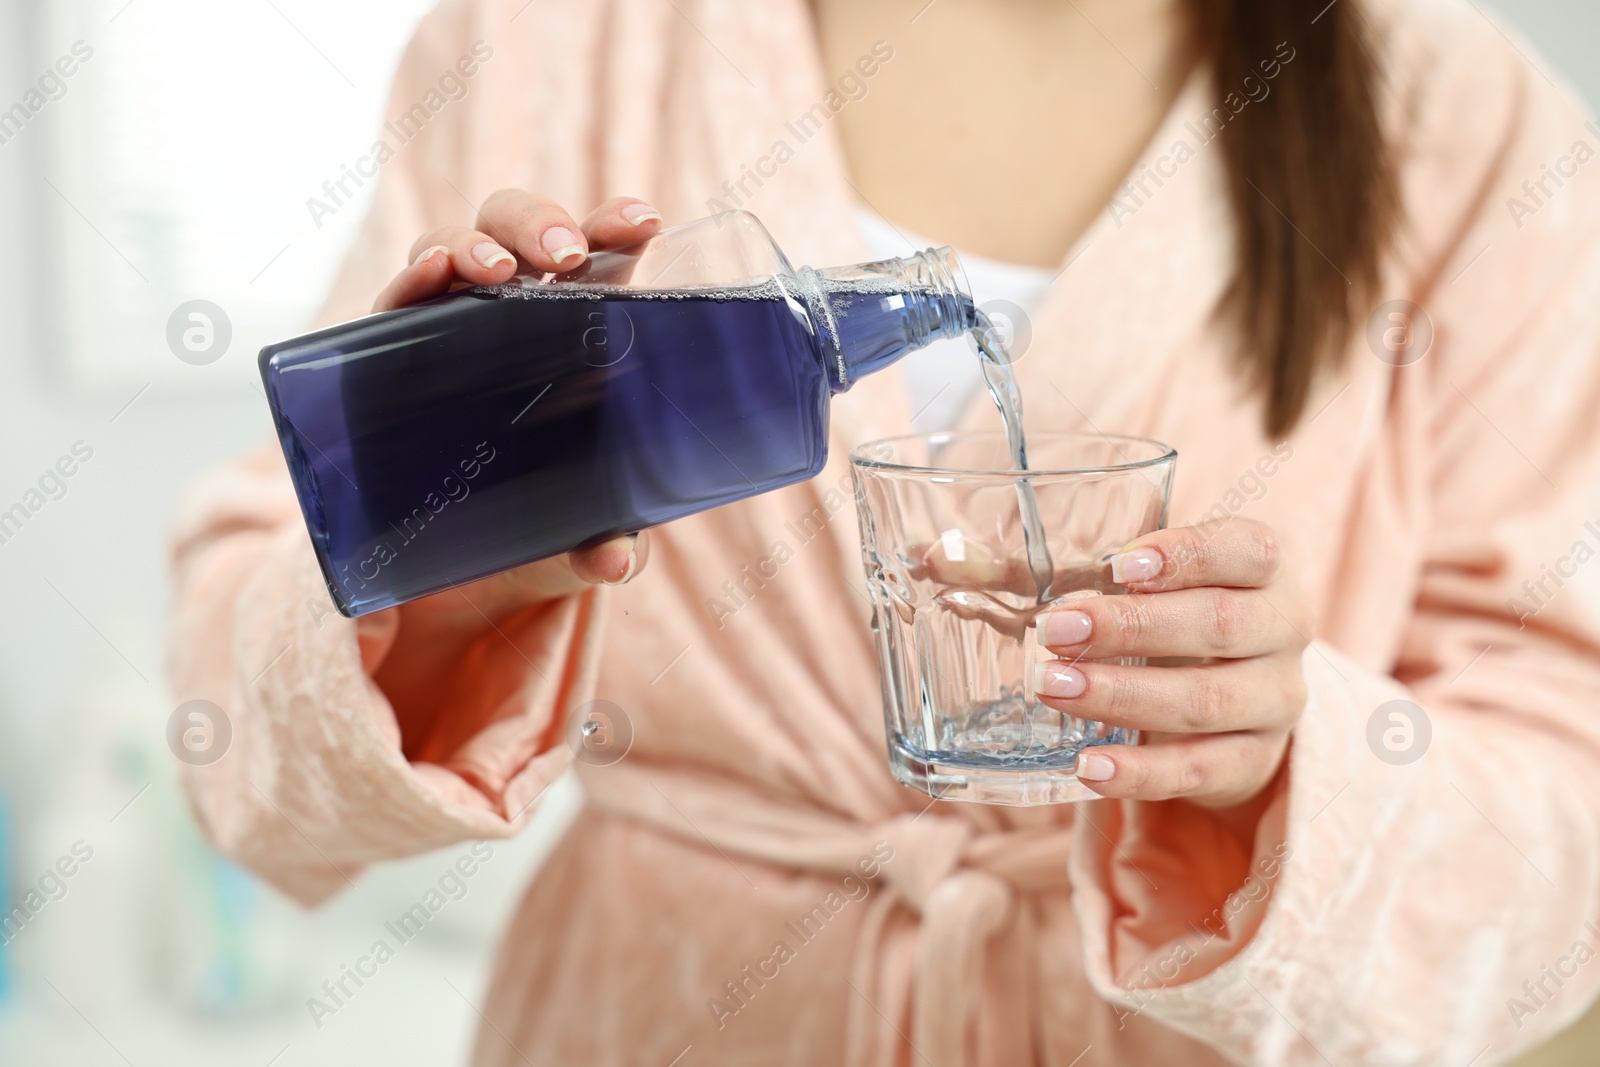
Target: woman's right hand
x: 519, y: 232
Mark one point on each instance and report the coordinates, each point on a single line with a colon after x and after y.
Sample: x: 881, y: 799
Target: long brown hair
x: 1312, y: 187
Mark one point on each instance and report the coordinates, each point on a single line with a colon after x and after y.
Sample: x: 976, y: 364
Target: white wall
x: 1564, y: 31
x: 83, y: 707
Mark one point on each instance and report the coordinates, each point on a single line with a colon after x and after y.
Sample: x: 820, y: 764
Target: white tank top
x: 942, y: 379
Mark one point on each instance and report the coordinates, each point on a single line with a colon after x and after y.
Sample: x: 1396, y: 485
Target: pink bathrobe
x: 1442, y: 515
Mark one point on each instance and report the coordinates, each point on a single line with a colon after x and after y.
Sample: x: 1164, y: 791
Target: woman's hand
x: 516, y: 232
x: 1219, y: 599
x: 522, y: 232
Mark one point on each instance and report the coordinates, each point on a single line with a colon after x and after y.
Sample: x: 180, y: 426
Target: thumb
x: 613, y: 562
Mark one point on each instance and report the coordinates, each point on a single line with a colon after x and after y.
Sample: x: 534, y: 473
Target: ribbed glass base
x: 1017, y: 786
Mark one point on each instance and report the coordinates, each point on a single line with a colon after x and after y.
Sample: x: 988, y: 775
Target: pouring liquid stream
x: 1002, y: 383
x: 995, y: 361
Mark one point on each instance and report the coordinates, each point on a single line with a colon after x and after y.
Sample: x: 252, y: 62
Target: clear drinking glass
x: 955, y: 600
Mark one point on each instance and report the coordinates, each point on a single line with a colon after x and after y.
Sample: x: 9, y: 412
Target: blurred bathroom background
x: 173, y: 165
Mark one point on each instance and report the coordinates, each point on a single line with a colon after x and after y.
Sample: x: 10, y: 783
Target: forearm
x: 315, y: 782
x: 1439, y: 886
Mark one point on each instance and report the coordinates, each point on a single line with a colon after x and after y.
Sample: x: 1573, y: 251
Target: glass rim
x: 858, y: 458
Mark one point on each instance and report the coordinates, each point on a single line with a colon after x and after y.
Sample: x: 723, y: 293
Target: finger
x: 474, y: 256
x: 612, y: 563
x: 1212, y: 621
x: 429, y: 275
x: 977, y: 566
x: 536, y: 228
x: 443, y: 257
x: 620, y: 222
x: 1249, y: 694
x: 1214, y: 771
x: 1241, y: 553
x: 960, y: 561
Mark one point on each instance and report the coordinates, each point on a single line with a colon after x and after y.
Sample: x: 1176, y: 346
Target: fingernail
x: 429, y: 253
x: 1056, y: 679
x: 1064, y: 628
x: 562, y: 244
x: 639, y: 214
x: 490, y: 255
x: 633, y: 561
x: 1093, y: 767
x: 1140, y: 565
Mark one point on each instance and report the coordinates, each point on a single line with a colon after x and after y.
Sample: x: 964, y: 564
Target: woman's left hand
x: 1220, y: 598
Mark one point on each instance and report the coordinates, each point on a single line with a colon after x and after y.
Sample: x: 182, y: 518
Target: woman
x: 1370, y: 847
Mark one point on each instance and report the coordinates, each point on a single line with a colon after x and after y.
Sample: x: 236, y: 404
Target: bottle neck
x: 869, y: 315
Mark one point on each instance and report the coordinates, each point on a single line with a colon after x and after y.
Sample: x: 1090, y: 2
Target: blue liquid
x: 450, y: 441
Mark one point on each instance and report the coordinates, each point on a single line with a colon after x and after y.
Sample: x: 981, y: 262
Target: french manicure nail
x: 1140, y: 565
x: 562, y: 244
x: 633, y: 561
x: 639, y: 214
x: 1093, y: 767
x: 1056, y: 679
x: 490, y: 255
x: 1064, y: 628
x: 429, y: 253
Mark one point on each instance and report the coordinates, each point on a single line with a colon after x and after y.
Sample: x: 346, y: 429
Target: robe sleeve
x: 313, y: 782
x: 1431, y: 909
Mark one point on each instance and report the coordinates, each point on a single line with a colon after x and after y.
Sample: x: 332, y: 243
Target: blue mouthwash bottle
x: 495, y: 426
